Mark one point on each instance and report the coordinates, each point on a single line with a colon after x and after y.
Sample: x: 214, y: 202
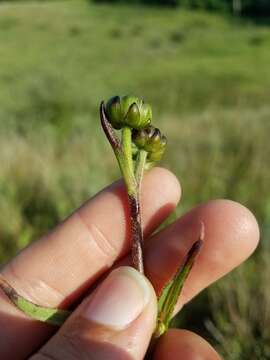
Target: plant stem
x: 126, y: 163
x: 123, y: 153
x: 139, y: 168
x: 133, y: 188
x: 127, y: 149
x: 136, y: 218
x: 136, y: 233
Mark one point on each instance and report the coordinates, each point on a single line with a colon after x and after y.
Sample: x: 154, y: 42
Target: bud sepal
x: 129, y: 111
x: 152, y: 141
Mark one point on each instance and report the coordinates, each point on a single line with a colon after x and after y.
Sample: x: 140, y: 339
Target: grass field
x: 208, y: 79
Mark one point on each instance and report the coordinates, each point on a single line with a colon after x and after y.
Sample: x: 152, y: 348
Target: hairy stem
x: 127, y: 149
x: 139, y: 168
x: 133, y: 200
x: 136, y: 218
x: 123, y: 153
x: 137, y: 234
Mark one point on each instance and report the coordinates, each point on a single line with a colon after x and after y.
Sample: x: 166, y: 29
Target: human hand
x: 116, y: 320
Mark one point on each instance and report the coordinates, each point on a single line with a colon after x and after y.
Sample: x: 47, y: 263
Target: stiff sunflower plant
x: 138, y: 146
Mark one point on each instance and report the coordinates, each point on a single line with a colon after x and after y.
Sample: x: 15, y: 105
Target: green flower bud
x: 128, y: 111
x: 151, y: 140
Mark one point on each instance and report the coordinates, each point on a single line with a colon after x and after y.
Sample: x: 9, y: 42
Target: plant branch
x: 137, y: 234
x: 123, y: 153
x: 133, y: 187
x: 127, y: 149
x: 140, y: 167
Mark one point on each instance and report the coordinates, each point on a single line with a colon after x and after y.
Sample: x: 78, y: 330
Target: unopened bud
x: 151, y: 140
x: 128, y: 111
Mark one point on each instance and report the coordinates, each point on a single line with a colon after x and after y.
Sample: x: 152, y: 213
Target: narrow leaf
x: 172, y: 291
x: 45, y: 314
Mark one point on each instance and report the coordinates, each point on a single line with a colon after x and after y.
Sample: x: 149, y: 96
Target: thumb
x: 116, y: 323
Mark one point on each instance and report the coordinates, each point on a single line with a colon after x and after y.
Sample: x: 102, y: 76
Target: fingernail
x: 120, y: 299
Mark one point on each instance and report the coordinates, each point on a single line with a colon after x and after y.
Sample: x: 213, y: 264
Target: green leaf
x: 172, y: 291
x: 45, y: 314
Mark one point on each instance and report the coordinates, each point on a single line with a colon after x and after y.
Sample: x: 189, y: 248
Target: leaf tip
x: 195, y: 248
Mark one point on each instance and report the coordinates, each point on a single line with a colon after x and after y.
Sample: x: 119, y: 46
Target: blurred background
x: 204, y: 67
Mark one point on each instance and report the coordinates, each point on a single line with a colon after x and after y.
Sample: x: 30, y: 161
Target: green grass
x: 208, y: 79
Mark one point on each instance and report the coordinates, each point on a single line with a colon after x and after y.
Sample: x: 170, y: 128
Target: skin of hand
x: 89, y: 250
